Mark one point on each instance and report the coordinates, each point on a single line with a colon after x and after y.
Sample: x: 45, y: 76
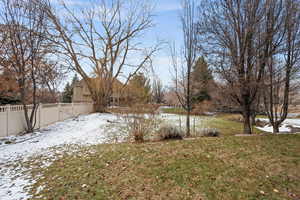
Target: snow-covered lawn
x: 48, y: 143
x: 41, y: 148
x: 284, y: 127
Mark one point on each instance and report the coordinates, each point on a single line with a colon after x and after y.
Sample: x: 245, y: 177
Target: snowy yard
x: 41, y: 148
x: 48, y: 143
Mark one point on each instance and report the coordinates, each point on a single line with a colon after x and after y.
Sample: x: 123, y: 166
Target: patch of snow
x: 83, y: 130
x: 269, y: 128
x: 54, y: 140
x: 283, y: 128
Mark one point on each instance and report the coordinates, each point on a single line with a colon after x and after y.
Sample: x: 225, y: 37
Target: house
x: 81, y: 93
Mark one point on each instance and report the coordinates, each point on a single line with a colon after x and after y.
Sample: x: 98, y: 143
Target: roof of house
x: 117, y: 83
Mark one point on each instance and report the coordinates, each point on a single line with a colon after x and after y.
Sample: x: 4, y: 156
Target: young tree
x: 183, y: 68
x: 24, y: 27
x: 240, y: 36
x: 101, y: 40
x: 157, y: 91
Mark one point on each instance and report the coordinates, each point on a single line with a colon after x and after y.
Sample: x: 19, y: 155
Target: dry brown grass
x: 225, y: 168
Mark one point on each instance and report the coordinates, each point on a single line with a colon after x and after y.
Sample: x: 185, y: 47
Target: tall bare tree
x: 240, y: 36
x: 24, y: 24
x: 183, y: 66
x: 101, y: 42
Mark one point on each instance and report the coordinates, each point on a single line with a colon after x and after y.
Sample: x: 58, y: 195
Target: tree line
x: 253, y: 46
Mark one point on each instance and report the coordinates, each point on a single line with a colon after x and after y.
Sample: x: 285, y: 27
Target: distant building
x: 81, y: 93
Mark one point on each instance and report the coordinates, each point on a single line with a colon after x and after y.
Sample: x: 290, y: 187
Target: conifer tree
x: 202, y: 78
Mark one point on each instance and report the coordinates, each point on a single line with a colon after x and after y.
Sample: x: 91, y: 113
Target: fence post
x: 7, y: 119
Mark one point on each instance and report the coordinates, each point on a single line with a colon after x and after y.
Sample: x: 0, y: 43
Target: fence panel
x: 3, y: 121
x: 12, y: 119
x: 16, y: 121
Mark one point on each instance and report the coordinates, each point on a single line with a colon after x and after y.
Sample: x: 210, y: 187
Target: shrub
x: 169, y: 133
x: 209, y: 132
x: 135, y: 124
x: 140, y: 126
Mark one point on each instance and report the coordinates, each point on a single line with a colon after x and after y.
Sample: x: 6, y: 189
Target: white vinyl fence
x: 12, y: 120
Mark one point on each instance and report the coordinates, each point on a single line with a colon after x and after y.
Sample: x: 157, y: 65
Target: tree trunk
x: 188, y: 131
x: 29, y: 127
x: 101, y: 103
x: 29, y: 124
x: 253, y: 116
x: 247, y: 121
x: 275, y: 128
x: 100, y: 107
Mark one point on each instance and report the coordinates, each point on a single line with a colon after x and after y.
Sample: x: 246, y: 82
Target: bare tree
x: 157, y: 91
x: 240, y: 36
x: 24, y: 24
x: 283, y: 67
x: 183, y: 68
x: 100, y: 41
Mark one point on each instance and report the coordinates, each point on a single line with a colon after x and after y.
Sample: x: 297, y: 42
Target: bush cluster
x: 209, y: 132
x: 169, y: 133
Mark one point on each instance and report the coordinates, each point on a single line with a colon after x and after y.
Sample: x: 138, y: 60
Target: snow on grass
x: 283, y: 128
x: 269, y: 128
x: 41, y: 148
x: 82, y: 131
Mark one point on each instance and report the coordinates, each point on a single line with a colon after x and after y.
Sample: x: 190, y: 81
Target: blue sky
x: 167, y: 28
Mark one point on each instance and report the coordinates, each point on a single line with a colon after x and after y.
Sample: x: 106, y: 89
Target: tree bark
x: 99, y: 107
x: 275, y: 128
x: 101, y: 103
x: 247, y: 119
x: 252, y: 118
x: 188, y: 130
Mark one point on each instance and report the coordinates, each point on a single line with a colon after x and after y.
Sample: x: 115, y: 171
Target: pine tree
x: 67, y: 94
x: 74, y: 80
x: 201, y: 80
x: 140, y: 88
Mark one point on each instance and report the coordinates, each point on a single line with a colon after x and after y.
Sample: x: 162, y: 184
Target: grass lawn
x: 261, y: 167
x: 226, y: 126
x: 226, y: 167
x: 174, y: 110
